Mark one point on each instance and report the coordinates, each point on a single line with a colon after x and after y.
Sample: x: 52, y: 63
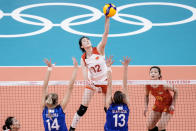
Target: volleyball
x: 109, y: 10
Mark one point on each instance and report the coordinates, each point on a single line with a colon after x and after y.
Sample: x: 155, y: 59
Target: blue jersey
x: 54, y: 119
x: 117, y: 118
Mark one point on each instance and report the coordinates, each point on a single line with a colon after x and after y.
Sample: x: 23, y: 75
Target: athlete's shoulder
x: 95, y: 51
x: 148, y: 87
x: 126, y: 106
x: 58, y: 107
x: 45, y: 109
x: 83, y: 55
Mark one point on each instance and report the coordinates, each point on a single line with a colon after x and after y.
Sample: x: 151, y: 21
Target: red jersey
x: 162, y: 96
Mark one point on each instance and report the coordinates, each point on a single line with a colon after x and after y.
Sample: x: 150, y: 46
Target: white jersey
x: 97, y: 69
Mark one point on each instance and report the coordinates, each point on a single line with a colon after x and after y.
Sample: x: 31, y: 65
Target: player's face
x: 154, y: 74
x: 86, y: 43
x: 15, y: 124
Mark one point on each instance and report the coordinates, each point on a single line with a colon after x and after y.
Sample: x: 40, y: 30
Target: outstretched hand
x: 126, y: 61
x: 48, y: 62
x: 109, y: 61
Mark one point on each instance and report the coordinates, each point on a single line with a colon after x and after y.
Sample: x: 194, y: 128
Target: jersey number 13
x: 121, y: 121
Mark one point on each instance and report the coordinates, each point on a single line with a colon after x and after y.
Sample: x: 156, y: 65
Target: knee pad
x: 154, y: 129
x: 82, y: 110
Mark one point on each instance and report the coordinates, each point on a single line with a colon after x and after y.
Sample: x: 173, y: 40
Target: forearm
x: 109, y: 77
x: 125, y: 73
x: 73, y: 77
x: 102, y: 44
x: 105, y: 34
x: 85, y: 75
x: 46, y: 80
x: 84, y: 70
x: 146, y: 101
x: 70, y: 88
x: 107, y: 25
x: 45, y: 86
x: 174, y: 98
x: 66, y: 97
x: 109, y: 89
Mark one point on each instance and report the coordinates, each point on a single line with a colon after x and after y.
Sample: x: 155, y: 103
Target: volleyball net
x: 22, y: 99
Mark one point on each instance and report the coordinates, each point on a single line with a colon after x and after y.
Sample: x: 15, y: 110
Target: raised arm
x: 109, y: 62
x: 173, y: 89
x: 125, y: 64
x: 46, y: 80
x: 70, y: 86
x: 102, y: 44
x: 84, y: 70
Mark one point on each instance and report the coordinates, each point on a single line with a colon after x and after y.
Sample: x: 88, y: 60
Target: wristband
x: 49, y: 68
x: 109, y: 69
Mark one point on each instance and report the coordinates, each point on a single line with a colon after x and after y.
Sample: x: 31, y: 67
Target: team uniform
x: 117, y: 118
x: 97, y: 69
x: 163, y: 98
x: 54, y: 119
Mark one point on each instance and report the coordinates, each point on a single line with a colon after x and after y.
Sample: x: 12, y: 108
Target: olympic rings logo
x: 95, y: 15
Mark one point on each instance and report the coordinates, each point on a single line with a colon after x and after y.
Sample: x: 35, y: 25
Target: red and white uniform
x: 97, y: 69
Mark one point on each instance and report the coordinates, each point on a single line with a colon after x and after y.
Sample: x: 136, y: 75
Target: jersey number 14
x: 54, y: 125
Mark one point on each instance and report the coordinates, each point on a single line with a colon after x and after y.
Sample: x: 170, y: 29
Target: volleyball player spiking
x: 94, y: 70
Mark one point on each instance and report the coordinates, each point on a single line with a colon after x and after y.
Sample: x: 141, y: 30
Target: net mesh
x: 22, y: 100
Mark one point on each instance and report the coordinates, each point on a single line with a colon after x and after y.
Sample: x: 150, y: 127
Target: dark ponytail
x: 8, y: 123
x: 4, y: 127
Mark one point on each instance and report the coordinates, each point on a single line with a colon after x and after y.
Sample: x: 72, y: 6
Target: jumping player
x: 117, y: 106
x: 164, y: 102
x: 53, y: 114
x: 94, y: 71
x: 11, y: 124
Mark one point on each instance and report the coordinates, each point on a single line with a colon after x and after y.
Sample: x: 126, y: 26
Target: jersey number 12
x: 96, y: 68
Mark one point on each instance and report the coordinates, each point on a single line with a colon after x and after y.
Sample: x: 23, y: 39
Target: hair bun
x: 5, y: 127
